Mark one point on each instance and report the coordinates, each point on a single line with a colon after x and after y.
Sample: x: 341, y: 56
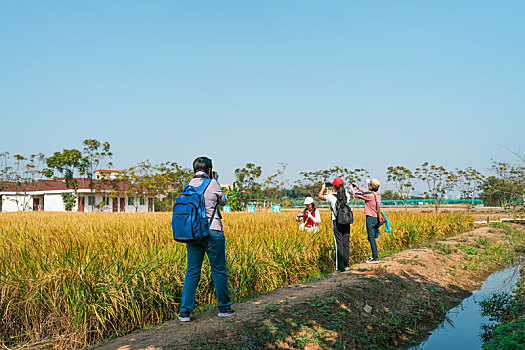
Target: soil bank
x: 388, y: 305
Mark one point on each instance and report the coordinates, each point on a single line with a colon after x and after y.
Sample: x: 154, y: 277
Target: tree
x: 246, y: 179
x: 390, y: 195
x: 67, y: 163
x: 136, y: 182
x: 520, y: 172
x: 312, y: 180
x: 169, y: 178
x: 276, y: 182
x: 514, y: 180
x: 468, y: 182
x: 235, y: 198
x: 21, y: 174
x: 358, y: 176
x: 165, y: 181
x: 297, y: 191
x: 438, y: 180
x: 69, y: 200
x: 402, y: 178
x: 494, y: 192
x: 94, y: 153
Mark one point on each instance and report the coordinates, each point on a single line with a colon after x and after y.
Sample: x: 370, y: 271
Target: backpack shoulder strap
x: 203, y: 186
x: 206, y: 181
x: 214, y: 211
x: 378, y: 208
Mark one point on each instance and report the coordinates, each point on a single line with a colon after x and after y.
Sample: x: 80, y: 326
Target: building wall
x: 109, y: 207
x: 98, y: 200
x: 139, y: 208
x: 54, y: 202
x: 136, y: 207
x: 12, y: 203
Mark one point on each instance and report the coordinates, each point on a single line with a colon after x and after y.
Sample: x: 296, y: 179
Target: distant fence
x: 387, y: 203
x: 412, y: 203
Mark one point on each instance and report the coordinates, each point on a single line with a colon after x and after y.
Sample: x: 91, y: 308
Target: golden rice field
x: 72, y: 279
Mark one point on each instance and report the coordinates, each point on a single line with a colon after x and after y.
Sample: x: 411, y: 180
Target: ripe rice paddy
x: 72, y: 279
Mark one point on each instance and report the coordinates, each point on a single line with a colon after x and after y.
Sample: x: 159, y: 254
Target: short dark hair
x: 202, y: 164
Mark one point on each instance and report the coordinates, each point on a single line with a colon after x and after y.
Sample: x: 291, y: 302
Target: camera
x: 328, y: 184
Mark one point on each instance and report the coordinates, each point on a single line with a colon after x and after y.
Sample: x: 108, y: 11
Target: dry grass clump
x: 72, y: 279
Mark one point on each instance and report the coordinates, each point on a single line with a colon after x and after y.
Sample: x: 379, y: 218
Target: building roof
x: 59, y: 184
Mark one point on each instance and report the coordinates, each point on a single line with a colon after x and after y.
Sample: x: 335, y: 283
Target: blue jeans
x: 214, y: 246
x: 372, y: 229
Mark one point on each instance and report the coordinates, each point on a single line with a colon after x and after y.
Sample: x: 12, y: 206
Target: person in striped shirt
x: 372, y: 222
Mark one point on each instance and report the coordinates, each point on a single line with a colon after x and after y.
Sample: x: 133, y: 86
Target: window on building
x: 142, y: 201
x: 130, y: 201
x: 105, y: 200
x: 91, y: 200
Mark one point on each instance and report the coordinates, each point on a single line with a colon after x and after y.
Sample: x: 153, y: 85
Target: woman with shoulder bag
x: 341, y: 231
x: 374, y: 217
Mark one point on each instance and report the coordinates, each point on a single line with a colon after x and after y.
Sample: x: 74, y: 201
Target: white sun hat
x: 308, y: 200
x: 374, y: 182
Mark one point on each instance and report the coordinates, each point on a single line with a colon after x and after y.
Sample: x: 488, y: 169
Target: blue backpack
x: 190, y: 222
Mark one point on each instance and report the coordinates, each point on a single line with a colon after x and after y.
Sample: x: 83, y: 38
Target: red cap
x: 338, y: 182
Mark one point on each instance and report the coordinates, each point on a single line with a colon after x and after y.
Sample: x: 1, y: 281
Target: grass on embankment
x: 72, y: 279
x: 385, y: 311
x: 508, y: 310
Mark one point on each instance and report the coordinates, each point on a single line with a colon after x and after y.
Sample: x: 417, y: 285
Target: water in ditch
x: 462, y: 326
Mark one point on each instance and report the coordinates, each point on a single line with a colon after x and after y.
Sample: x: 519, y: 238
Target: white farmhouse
x: 46, y: 195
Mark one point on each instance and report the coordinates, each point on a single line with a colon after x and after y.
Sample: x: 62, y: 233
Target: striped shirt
x: 370, y: 202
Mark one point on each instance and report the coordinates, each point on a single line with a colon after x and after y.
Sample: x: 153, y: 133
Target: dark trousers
x: 372, y: 229
x: 342, y: 245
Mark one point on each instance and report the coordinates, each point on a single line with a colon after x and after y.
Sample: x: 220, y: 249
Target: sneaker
x: 347, y: 268
x: 184, y: 316
x: 225, y: 311
x: 372, y: 261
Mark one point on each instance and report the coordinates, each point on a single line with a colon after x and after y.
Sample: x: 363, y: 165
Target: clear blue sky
x: 310, y: 83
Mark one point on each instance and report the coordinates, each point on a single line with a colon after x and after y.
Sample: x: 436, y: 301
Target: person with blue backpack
x: 197, y: 223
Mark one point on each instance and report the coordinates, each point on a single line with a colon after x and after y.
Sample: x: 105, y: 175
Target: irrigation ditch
x: 396, y: 304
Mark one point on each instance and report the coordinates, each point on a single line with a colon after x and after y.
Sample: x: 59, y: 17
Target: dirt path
x: 441, y: 268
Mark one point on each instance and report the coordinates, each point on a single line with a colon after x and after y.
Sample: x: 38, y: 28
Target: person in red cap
x: 341, y: 231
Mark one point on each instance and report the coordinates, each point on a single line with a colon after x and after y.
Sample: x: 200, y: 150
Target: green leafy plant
x: 69, y: 200
x: 235, y: 198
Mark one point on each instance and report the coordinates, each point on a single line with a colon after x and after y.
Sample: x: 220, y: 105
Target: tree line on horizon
x: 504, y: 186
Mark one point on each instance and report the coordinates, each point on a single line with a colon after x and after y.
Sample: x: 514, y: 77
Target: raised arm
x: 321, y: 193
x: 359, y: 195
